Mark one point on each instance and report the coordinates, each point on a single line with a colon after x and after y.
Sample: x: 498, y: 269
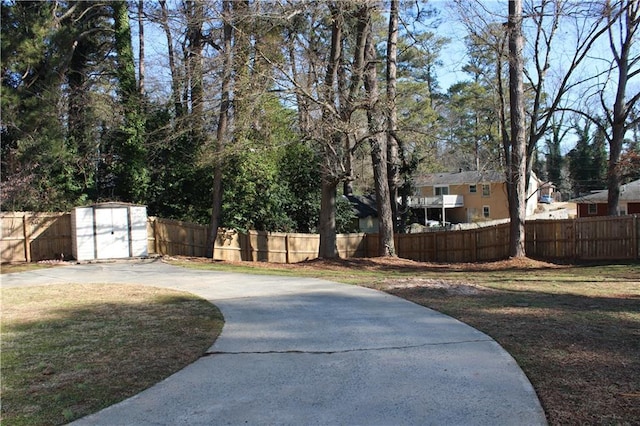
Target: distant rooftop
x: 460, y: 178
x: 363, y: 205
x: 628, y: 192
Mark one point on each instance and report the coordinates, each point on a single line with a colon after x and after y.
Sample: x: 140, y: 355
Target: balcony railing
x: 440, y: 201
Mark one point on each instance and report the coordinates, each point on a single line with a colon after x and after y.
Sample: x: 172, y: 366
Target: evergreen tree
x: 587, y: 161
x: 129, y: 161
x: 37, y: 164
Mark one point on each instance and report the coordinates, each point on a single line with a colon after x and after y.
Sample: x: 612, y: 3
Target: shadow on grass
x: 62, y: 363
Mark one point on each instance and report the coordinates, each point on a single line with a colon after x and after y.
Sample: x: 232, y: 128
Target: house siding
x: 583, y: 210
x: 602, y: 209
x: 474, y: 202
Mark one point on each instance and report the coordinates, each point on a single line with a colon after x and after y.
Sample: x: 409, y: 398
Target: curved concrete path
x: 306, y: 351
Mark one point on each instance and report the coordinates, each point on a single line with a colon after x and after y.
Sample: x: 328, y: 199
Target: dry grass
x: 574, y: 329
x: 70, y: 350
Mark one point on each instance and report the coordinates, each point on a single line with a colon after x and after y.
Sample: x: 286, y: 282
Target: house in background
x: 547, y: 189
x: 366, y: 211
x: 596, y: 203
x: 466, y: 196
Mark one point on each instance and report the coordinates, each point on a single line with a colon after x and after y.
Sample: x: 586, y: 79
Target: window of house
x: 441, y: 190
x: 486, y: 190
x: 592, y: 209
x: 473, y: 189
x: 485, y: 211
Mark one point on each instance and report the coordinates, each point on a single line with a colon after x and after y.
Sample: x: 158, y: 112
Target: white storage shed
x: 109, y: 231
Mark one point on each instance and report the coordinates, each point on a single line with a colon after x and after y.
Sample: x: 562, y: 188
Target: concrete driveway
x: 300, y: 351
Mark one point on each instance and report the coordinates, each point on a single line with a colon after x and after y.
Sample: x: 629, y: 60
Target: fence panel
x: 31, y: 237
x: 551, y: 239
x: 301, y: 247
x: 229, y: 245
x: 456, y: 246
x: 611, y: 239
x: 50, y: 236
x: 349, y: 245
x: 492, y: 243
x: 420, y: 247
x: 174, y: 237
x: 266, y: 247
x: 14, y: 247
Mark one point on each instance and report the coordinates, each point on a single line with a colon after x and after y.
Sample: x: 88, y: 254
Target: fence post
x: 154, y: 227
x: 636, y: 240
x: 575, y: 239
x: 27, y: 235
x: 286, y: 248
x: 474, y: 248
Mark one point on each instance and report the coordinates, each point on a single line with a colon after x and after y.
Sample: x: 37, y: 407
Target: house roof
x: 474, y: 177
x: 363, y: 205
x: 628, y: 192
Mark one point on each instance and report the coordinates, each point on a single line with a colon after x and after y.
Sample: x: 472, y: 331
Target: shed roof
x: 112, y: 204
x: 363, y: 205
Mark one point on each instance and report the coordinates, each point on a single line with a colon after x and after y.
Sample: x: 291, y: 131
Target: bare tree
x: 517, y: 161
x: 378, y: 141
x: 621, y: 22
x: 623, y: 19
x: 330, y: 176
x: 393, y: 149
x: 548, y: 97
x: 222, y: 129
x: 544, y: 96
x: 176, y: 76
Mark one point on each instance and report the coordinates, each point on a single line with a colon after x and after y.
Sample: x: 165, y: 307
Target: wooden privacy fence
x: 595, y: 238
x: 28, y: 237
x: 171, y: 237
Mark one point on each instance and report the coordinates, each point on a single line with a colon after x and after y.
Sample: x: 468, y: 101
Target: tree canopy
x: 262, y: 114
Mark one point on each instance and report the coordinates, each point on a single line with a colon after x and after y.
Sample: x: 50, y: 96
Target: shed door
x: 112, y: 233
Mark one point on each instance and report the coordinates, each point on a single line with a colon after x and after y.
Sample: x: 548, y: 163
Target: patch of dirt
x: 448, y: 286
x: 392, y: 264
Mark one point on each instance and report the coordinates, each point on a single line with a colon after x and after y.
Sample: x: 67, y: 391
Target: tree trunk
x: 518, y: 160
x: 328, y: 248
x: 375, y: 116
x: 624, y: 60
x: 195, y: 41
x: 176, y: 95
x: 327, y: 220
x: 141, y: 70
x: 221, y: 133
x: 393, y: 165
